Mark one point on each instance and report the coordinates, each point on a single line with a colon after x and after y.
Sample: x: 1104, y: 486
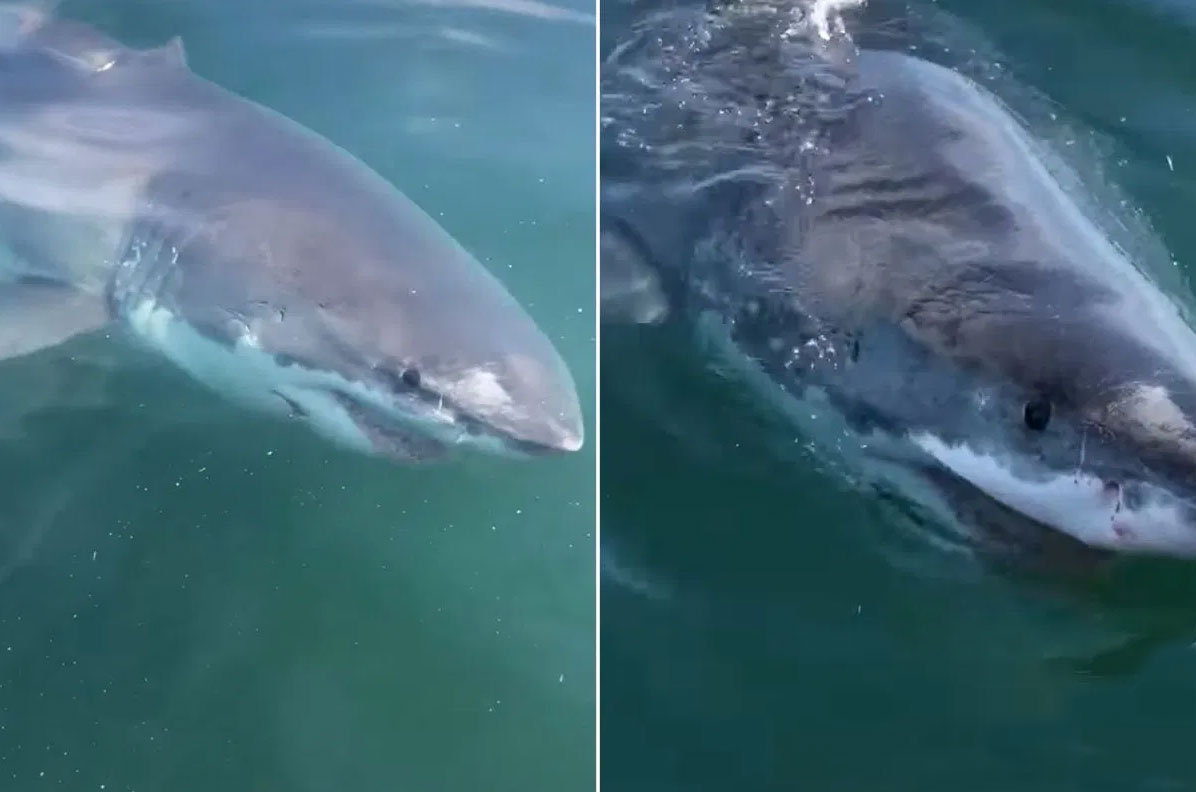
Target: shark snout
x: 553, y: 432
x: 532, y: 403
x: 552, y: 426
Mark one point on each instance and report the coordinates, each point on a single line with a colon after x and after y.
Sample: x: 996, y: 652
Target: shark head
x: 1021, y: 349
x: 1083, y: 423
x: 369, y: 323
x: 1086, y: 425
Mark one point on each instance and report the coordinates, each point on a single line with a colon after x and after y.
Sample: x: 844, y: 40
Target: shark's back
x: 936, y: 209
x: 104, y: 148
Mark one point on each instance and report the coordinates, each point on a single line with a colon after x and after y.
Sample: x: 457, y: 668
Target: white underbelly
x: 247, y: 375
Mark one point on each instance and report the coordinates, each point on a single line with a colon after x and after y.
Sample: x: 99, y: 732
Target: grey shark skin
x: 262, y: 259
x: 945, y: 302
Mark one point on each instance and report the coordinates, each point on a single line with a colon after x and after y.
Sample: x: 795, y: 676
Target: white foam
x: 827, y: 16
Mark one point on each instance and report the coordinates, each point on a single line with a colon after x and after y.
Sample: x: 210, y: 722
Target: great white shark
x: 265, y: 261
x: 914, y: 275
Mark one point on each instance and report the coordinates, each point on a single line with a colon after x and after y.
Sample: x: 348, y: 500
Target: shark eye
x: 1037, y: 414
x: 401, y: 379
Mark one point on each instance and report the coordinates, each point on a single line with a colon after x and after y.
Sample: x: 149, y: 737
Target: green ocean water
x: 194, y: 598
x: 766, y: 628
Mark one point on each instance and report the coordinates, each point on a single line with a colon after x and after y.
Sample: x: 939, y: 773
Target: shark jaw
x: 1132, y: 517
x: 352, y: 414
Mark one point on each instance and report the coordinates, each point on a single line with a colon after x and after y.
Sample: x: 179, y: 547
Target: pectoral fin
x: 631, y: 291
x: 36, y: 315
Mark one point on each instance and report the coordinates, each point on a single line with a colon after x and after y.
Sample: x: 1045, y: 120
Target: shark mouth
x: 1130, y: 518
x: 389, y: 436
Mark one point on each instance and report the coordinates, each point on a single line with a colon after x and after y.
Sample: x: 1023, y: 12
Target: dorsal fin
x: 172, y: 53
